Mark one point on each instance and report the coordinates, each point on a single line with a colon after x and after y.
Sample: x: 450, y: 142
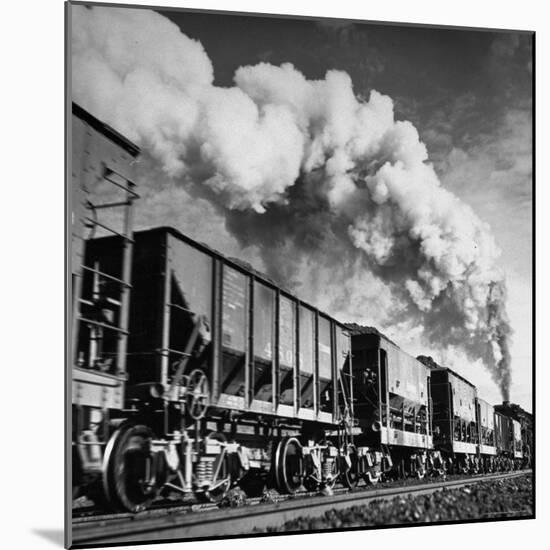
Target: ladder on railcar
x: 104, y: 310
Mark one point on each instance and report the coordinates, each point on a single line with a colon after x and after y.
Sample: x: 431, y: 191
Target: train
x: 192, y: 373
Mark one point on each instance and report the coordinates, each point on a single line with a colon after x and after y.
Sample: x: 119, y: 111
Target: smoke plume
x: 336, y: 195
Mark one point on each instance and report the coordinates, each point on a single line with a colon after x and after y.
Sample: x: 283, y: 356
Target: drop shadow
x: 57, y: 536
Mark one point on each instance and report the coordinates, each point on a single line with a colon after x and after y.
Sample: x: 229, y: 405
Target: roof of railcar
x: 359, y: 330
x: 485, y: 401
x: 456, y: 375
x: 355, y: 328
x: 239, y: 265
x: 432, y: 364
x: 106, y: 130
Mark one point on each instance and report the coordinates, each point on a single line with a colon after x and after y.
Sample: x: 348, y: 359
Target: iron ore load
x: 192, y: 373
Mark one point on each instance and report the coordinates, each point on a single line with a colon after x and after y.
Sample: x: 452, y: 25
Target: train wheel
x: 129, y: 477
x: 351, y: 474
x: 289, y: 465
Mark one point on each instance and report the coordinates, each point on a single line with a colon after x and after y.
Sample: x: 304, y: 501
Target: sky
x: 467, y: 93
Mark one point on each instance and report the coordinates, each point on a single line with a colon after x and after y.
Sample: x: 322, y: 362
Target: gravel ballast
x: 482, y: 500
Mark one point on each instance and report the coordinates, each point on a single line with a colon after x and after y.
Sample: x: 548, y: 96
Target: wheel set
x: 137, y: 468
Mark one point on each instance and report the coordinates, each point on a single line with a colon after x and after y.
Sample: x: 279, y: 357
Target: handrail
x: 110, y: 204
x: 128, y: 188
x: 106, y: 275
x: 103, y: 325
x: 168, y: 351
x: 181, y: 308
x: 107, y: 228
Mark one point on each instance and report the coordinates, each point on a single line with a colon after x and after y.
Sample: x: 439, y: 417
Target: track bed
x: 288, y: 514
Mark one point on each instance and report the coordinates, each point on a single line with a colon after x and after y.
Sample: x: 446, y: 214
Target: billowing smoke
x: 338, y: 197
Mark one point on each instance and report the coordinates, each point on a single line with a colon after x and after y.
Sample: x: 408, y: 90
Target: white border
x: 32, y: 275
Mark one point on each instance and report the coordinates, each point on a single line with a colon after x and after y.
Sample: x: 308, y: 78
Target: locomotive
x: 193, y: 373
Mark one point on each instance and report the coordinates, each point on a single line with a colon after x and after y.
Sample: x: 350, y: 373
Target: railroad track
x: 178, y: 523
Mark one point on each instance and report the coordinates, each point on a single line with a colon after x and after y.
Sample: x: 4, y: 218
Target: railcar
x: 504, y: 441
x: 525, y: 432
x: 487, y: 442
x: 230, y: 379
x: 455, y: 428
x: 102, y: 198
x: 508, y: 442
x: 392, y: 409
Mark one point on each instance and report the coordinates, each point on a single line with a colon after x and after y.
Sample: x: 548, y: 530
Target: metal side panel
x: 96, y: 389
x: 407, y: 377
x: 286, y: 410
x: 464, y: 398
x: 325, y: 417
x: 389, y: 436
x: 228, y: 401
x: 264, y: 407
x: 306, y: 414
x: 464, y: 447
x: 488, y: 450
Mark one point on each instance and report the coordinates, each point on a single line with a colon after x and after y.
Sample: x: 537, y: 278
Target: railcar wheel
x: 289, y: 465
x: 351, y: 475
x: 129, y: 471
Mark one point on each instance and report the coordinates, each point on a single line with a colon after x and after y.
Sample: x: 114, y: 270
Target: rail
x: 245, y: 520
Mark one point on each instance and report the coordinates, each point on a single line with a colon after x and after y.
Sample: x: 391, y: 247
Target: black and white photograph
x: 300, y: 274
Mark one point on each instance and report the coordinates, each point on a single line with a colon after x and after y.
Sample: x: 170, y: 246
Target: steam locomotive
x: 193, y: 373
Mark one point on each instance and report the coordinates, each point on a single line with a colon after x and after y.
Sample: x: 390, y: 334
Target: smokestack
x: 336, y: 195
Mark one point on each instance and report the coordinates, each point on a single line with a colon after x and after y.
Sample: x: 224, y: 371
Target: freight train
x: 193, y: 373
